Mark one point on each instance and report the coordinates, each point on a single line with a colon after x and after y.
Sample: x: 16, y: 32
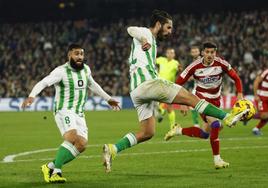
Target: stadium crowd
x: 29, y: 51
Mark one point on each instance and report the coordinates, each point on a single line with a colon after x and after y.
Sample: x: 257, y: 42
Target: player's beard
x: 75, y: 65
x: 161, y: 36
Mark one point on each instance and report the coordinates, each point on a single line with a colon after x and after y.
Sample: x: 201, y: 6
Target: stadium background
x: 34, y: 36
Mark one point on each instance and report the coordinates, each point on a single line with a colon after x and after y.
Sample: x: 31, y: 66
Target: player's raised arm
x: 185, y: 75
x: 52, y: 78
x: 96, y: 88
x: 141, y: 35
x: 235, y: 77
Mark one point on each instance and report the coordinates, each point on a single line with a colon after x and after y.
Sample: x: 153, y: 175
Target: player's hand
x: 184, y: 109
x: 27, y: 102
x: 114, y: 104
x: 144, y: 44
x: 240, y: 96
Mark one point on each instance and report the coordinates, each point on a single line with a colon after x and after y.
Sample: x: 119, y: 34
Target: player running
x: 147, y: 88
x: 168, y: 70
x: 71, y: 81
x: 260, y: 87
x: 208, y: 74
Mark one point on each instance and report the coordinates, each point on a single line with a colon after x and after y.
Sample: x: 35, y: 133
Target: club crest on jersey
x: 208, y: 80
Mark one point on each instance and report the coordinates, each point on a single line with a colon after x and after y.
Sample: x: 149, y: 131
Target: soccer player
x: 260, y: 88
x: 168, y: 69
x: 147, y: 88
x: 71, y: 81
x: 195, y: 54
x: 208, y: 74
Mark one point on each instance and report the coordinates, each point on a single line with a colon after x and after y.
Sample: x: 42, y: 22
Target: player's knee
x: 80, y: 145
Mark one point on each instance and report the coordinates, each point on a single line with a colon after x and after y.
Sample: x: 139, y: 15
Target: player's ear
x: 69, y: 55
x: 158, y: 25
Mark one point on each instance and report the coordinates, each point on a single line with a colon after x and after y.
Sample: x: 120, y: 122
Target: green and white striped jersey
x: 71, y: 87
x: 71, y: 90
x: 142, y: 63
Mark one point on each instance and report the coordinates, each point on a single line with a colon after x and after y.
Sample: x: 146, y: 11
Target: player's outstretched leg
x: 215, y: 127
x: 189, y: 131
x: 195, y: 117
x: 129, y: 140
x: 204, y: 107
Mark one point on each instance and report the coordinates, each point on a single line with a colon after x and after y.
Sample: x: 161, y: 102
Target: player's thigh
x: 146, y: 110
x: 157, y: 90
x: 82, y: 129
x: 66, y: 121
x: 186, y: 97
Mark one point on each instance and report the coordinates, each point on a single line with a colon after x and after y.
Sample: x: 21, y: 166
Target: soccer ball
x: 242, y: 105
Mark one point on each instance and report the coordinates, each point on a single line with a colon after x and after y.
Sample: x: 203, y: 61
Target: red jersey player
x: 208, y: 74
x: 261, y: 97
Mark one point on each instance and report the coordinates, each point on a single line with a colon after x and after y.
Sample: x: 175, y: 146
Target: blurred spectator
x: 29, y: 51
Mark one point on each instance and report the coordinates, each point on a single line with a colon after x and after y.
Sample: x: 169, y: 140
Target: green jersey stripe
x: 153, y: 50
x: 85, y: 96
x: 71, y: 86
x: 151, y: 72
x: 62, y: 88
x: 80, y: 93
x: 142, y: 77
x: 150, y: 62
x: 135, y: 80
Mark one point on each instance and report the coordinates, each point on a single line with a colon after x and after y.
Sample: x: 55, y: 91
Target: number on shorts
x: 67, y: 120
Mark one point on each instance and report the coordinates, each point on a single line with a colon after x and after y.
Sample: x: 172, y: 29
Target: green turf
x: 182, y: 162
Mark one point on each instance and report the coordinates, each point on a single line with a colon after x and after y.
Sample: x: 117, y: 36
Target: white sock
x: 51, y: 165
x: 255, y: 129
x: 56, y: 170
x: 178, y: 131
x: 196, y: 125
x: 131, y: 138
x: 217, y: 158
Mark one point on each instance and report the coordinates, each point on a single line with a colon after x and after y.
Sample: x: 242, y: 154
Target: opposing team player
x: 260, y: 87
x: 169, y: 67
x: 147, y: 88
x: 208, y: 74
x: 71, y: 81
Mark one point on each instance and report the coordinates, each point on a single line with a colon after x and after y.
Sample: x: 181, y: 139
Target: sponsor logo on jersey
x: 208, y: 80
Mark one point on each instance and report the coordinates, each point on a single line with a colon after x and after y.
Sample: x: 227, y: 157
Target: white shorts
x: 67, y: 120
x: 147, y: 94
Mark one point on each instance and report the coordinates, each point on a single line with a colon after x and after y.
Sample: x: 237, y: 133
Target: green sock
x: 66, y: 153
x: 195, y: 117
x: 172, y: 118
x: 127, y: 141
x: 208, y: 109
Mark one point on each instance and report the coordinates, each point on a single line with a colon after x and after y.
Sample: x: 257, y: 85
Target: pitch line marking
x: 152, y: 153
x: 10, y: 158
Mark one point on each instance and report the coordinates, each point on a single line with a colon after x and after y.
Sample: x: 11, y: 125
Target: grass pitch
x: 33, y: 137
